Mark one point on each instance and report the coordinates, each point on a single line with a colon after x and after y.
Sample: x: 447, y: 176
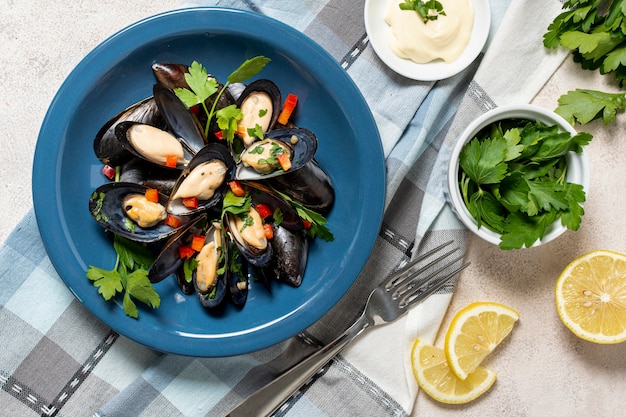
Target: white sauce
x: 202, y: 181
x: 444, y: 38
x: 251, y: 108
x: 155, y: 144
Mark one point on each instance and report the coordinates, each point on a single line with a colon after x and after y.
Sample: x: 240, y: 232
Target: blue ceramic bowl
x: 117, y: 74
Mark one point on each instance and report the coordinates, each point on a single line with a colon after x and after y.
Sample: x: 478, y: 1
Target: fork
x: 387, y: 302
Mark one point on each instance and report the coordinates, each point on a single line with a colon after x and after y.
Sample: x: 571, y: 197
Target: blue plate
x: 117, y: 74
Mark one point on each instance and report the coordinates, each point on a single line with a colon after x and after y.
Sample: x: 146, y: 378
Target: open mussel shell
x: 309, y: 186
x: 238, y: 275
x: 301, y: 141
x: 106, y: 205
x: 182, y: 123
x: 152, y: 143
x: 259, y: 256
x: 170, y: 75
x: 150, y: 175
x: 211, y: 167
x: 290, y: 254
x: 106, y: 145
x: 260, y: 103
x: 168, y: 261
x: 211, y: 290
x: 260, y: 193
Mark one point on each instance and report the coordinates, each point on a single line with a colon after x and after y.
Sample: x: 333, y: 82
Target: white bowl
x: 577, y: 172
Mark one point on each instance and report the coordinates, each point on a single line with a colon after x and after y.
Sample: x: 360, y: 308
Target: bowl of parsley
x: 518, y: 176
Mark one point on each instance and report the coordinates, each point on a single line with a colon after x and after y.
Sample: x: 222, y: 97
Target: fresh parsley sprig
x: 583, y: 106
x: 513, y: 180
x: 129, y: 277
x: 202, y: 87
x: 427, y: 10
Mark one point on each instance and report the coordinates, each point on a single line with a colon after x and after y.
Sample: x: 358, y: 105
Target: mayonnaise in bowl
x: 444, y: 38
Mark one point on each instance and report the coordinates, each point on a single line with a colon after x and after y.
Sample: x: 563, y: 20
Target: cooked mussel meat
x: 262, y: 159
x: 123, y: 208
x: 211, y: 274
x: 260, y: 104
x: 204, y: 179
x: 152, y: 144
x: 248, y: 233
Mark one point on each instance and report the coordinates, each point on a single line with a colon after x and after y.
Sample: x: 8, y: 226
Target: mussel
x: 290, y: 254
x: 106, y: 144
x: 210, y: 277
x: 260, y: 160
x: 260, y: 104
x: 123, y: 209
x: 205, y: 179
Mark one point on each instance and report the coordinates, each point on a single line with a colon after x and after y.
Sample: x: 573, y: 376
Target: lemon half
x: 590, y: 296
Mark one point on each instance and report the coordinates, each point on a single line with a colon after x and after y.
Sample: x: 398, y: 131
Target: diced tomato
x: 269, y: 231
x: 190, y: 202
x: 219, y: 135
x: 197, y: 243
x: 171, y: 161
x: 284, y: 161
x: 172, y: 221
x: 186, y: 252
x: 288, y: 108
x: 307, y: 224
x: 263, y: 209
x: 236, y: 188
x: 108, y: 171
x: 152, y: 195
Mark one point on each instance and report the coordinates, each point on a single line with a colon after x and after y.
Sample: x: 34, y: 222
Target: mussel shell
x: 221, y: 285
x: 238, y: 278
x: 290, y: 255
x: 151, y: 175
x: 105, y: 205
x: 122, y: 133
x: 303, y: 151
x: 211, y: 152
x: 309, y: 186
x: 260, y: 193
x: 179, y: 119
x: 168, y: 260
x: 106, y: 145
x: 170, y: 75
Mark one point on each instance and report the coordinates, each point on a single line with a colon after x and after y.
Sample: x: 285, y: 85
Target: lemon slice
x: 591, y: 296
x: 433, y: 375
x: 474, y: 333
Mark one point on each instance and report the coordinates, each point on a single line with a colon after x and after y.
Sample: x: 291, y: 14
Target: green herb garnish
x: 202, y: 87
x: 129, y: 277
x: 512, y: 180
x: 427, y: 10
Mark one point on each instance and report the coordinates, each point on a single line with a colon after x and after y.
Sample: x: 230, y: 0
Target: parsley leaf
x: 129, y: 277
x: 427, y: 10
x: 584, y: 106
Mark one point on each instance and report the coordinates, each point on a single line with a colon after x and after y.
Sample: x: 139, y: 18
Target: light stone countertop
x: 543, y: 369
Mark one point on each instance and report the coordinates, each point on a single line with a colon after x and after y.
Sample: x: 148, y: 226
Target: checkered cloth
x: 57, y: 359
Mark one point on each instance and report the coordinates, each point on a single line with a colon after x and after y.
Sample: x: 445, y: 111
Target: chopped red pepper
x: 108, y: 171
x: 236, y: 188
x: 197, y: 243
x: 264, y: 210
x: 307, y: 224
x: 288, y: 108
x: 284, y: 161
x: 219, y: 135
x: 195, y: 109
x: 190, y: 202
x: 172, y: 221
x: 171, y: 161
x: 152, y: 195
x: 186, y: 252
x: 269, y: 231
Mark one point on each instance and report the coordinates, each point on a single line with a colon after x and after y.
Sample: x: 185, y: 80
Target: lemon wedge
x: 474, y: 333
x: 590, y: 296
x: 433, y: 375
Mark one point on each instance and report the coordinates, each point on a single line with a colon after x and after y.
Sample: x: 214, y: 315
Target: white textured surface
x: 543, y: 369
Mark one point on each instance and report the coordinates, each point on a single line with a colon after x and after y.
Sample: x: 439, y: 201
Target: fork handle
x: 268, y: 399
